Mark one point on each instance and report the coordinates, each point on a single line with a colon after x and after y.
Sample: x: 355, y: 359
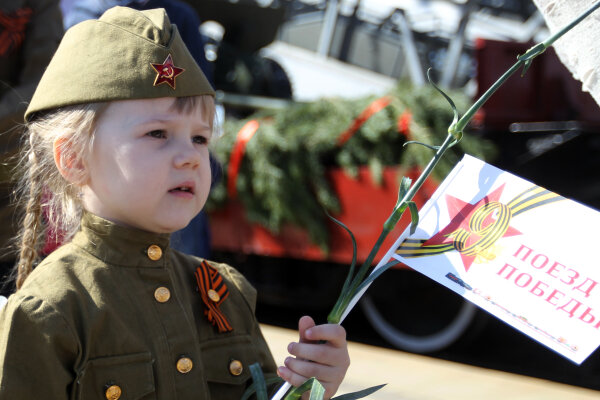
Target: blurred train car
x: 544, y: 126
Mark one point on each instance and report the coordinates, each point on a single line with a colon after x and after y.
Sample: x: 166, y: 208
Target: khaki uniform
x: 110, y: 315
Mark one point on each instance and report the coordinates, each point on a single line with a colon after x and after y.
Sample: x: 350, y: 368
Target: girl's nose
x: 187, y: 156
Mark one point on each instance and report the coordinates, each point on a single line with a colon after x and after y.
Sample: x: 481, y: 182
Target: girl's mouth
x: 183, y: 189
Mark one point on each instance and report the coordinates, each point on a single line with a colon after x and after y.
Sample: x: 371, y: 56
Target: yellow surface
x: 413, y: 377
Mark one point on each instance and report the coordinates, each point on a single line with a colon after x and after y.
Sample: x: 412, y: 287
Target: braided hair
x: 49, y: 201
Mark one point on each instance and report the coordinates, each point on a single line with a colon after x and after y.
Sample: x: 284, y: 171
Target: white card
x: 513, y: 248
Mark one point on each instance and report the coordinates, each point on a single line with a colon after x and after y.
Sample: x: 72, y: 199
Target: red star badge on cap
x: 166, y: 72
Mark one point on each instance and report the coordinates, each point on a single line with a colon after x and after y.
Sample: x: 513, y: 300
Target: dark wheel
x: 416, y: 314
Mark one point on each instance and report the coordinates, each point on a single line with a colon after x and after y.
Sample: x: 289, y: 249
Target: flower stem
x: 346, y: 297
x: 523, y: 60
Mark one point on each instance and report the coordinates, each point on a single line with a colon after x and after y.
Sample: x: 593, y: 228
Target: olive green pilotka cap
x: 125, y: 54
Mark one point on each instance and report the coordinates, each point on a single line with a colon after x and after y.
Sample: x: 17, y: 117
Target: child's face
x: 149, y: 165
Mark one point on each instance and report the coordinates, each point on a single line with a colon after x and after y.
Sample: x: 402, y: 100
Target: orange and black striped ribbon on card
x: 209, y: 280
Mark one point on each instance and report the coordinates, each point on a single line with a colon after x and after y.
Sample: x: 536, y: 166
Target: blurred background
x: 316, y: 99
x: 293, y: 66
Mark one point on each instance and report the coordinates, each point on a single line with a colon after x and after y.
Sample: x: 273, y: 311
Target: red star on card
x: 461, y: 213
x: 166, y: 72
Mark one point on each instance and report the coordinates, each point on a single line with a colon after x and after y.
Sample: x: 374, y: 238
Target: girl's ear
x: 69, y: 163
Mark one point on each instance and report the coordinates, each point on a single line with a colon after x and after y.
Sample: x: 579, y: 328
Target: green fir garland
x: 282, y: 177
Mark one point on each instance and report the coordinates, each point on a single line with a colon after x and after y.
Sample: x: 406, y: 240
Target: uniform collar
x: 121, y: 245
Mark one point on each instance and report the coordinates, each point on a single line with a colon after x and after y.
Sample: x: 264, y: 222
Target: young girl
x: 117, y: 157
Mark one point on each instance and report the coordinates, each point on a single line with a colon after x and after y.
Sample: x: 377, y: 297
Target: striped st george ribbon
x: 213, y: 291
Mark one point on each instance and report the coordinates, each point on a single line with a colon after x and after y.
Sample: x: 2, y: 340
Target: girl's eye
x: 157, y: 133
x: 200, y: 140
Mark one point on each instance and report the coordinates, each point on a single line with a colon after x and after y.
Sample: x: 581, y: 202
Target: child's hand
x: 328, y: 362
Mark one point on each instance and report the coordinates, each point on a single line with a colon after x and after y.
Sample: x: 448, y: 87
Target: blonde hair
x: 48, y: 200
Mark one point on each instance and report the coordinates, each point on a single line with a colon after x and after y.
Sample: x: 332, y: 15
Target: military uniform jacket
x: 111, y: 315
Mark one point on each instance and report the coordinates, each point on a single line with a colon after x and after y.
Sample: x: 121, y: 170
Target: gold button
x: 162, y: 294
x: 236, y: 367
x: 213, y: 295
x: 154, y: 252
x: 184, y: 365
x: 113, y: 392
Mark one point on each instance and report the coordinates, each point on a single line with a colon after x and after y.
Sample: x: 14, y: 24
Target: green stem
x: 521, y: 61
x: 407, y: 197
x: 465, y: 119
x: 346, y: 297
x: 548, y: 42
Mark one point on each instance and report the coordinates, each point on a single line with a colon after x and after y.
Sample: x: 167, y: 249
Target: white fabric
x: 579, y: 48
